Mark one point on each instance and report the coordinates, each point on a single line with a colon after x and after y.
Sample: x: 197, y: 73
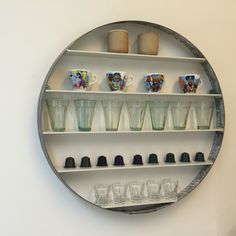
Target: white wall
x: 32, y: 200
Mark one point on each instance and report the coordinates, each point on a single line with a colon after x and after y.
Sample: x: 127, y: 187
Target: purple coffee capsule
x: 119, y: 160
x: 137, y: 160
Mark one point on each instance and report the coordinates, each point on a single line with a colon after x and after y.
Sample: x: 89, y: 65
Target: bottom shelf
x: 142, y: 203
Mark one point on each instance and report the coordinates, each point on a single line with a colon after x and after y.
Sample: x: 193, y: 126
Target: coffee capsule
x: 153, y: 159
x: 137, y: 160
x: 185, y: 157
x: 199, y: 157
x: 102, y: 161
x: 119, y: 160
x: 69, y: 162
x: 170, y: 158
x: 85, y: 162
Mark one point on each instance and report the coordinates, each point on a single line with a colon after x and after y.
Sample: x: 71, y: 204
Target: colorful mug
x: 153, y: 81
x: 118, y: 80
x: 190, y: 82
x: 80, y: 78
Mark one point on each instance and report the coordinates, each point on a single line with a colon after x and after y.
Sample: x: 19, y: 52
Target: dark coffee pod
x: 137, y: 160
x: 170, y: 158
x: 199, y: 157
x: 185, y: 157
x: 69, y: 162
x: 119, y: 160
x: 102, y: 161
x: 153, y: 159
x: 85, y: 162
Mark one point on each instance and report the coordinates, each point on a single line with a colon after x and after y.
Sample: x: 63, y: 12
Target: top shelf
x: 72, y: 52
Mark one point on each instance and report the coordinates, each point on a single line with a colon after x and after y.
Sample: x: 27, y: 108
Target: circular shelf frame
x: 220, y: 117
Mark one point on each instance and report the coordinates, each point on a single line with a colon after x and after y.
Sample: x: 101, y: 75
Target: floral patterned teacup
x: 190, y: 82
x: 118, y: 80
x: 81, y: 79
x: 153, y: 81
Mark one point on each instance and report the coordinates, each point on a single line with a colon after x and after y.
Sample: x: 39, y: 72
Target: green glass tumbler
x: 84, y: 113
x: 158, y: 112
x: 57, y: 109
x: 180, y: 111
x: 136, y: 111
x: 112, y: 110
x: 204, y: 110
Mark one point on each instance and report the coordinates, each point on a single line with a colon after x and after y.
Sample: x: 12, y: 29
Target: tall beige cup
x: 118, y: 41
x: 148, y: 43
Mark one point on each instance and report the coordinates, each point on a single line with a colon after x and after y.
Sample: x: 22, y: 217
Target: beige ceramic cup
x: 118, y: 41
x: 148, y: 43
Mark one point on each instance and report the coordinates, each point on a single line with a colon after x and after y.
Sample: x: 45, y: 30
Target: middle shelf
x: 100, y: 95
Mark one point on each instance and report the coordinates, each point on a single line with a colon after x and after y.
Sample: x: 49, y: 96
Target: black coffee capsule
x: 199, y: 157
x: 119, y: 160
x: 170, y: 158
x: 185, y: 157
x: 85, y: 162
x: 102, y: 161
x: 153, y: 159
x: 137, y: 160
x: 69, y: 162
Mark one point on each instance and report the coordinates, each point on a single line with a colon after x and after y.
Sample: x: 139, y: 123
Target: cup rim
x: 148, y: 32
x: 78, y: 69
x: 189, y: 75
x: 153, y: 73
x: 118, y: 30
x: 116, y: 71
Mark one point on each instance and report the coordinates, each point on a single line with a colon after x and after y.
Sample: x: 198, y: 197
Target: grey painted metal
x: 220, y: 119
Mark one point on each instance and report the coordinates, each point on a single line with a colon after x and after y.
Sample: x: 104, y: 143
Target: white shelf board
x: 142, y: 203
x: 133, y: 132
x: 133, y: 167
x: 99, y: 95
x: 72, y: 52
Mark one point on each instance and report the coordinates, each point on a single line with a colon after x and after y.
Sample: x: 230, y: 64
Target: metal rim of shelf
x: 218, y: 138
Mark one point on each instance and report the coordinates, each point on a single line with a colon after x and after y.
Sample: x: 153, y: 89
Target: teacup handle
x: 94, y: 79
x: 199, y: 79
x: 129, y: 81
x: 200, y: 82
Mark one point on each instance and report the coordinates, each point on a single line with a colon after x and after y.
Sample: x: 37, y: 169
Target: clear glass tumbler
x: 154, y: 190
x: 204, y: 110
x: 102, y: 194
x: 84, y: 113
x: 136, y: 111
x: 136, y: 190
x: 158, y: 111
x: 180, y: 111
x: 57, y: 109
x: 119, y: 192
x: 112, y: 110
x: 169, y: 188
